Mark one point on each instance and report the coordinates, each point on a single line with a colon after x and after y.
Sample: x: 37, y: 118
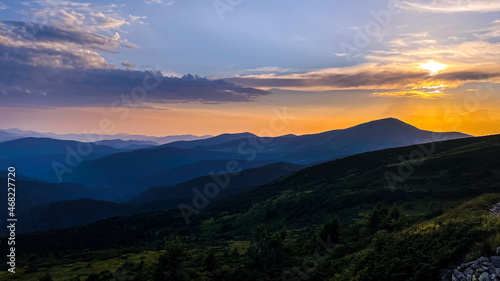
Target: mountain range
x: 67, y: 212
x: 12, y: 134
x: 150, y: 163
x: 146, y: 164
x: 392, y: 214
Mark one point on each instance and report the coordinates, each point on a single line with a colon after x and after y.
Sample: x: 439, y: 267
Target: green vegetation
x: 340, y: 220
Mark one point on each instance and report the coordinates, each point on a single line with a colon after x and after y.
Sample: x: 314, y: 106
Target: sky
x: 170, y: 67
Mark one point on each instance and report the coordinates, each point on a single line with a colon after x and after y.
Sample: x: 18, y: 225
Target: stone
x: 483, y: 269
x: 447, y: 276
x: 497, y: 271
x: 484, y: 277
x: 460, y: 275
x: 482, y: 259
x: 495, y: 261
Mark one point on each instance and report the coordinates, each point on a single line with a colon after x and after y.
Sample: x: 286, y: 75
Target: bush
x: 171, y: 265
x: 47, y: 277
x: 267, y: 248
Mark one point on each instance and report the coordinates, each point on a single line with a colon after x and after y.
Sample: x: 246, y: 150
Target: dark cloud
x: 50, y: 57
x: 468, y: 75
x: 50, y: 34
x: 38, y: 86
x: 50, y: 66
x: 361, y: 79
x: 364, y: 78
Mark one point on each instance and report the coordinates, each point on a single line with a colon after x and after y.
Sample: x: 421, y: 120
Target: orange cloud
x: 411, y: 94
x: 395, y: 76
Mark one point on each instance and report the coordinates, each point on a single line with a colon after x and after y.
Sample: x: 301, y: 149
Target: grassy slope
x: 456, y: 173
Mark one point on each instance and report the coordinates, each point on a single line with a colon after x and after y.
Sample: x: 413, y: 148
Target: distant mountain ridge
x: 129, y: 172
x: 194, y: 170
x: 244, y: 179
x: 308, y: 149
x: 34, y: 157
x: 83, y: 210
x: 31, y: 194
x: 210, y: 141
x: 12, y: 134
x: 127, y: 144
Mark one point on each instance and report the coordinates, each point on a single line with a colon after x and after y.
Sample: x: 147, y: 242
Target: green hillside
x: 396, y: 214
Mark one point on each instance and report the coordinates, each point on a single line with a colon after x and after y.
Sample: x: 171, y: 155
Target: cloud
x: 138, y: 19
x: 267, y: 70
x: 369, y: 76
x: 161, y: 2
x: 272, y: 69
x: 399, y: 77
x: 101, y: 22
x: 44, y: 86
x: 51, y: 58
x: 128, y: 65
x: 35, y: 44
x: 471, y: 75
x: 38, y: 35
x: 59, y: 64
x: 411, y: 94
x: 3, y: 6
x: 412, y: 40
x: 454, y: 6
x: 491, y: 32
x: 466, y: 54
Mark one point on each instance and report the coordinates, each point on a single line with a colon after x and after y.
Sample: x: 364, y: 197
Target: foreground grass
x: 80, y: 269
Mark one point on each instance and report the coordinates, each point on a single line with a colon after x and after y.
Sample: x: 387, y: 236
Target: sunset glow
x: 433, y: 67
x: 151, y: 69
x: 232, y: 139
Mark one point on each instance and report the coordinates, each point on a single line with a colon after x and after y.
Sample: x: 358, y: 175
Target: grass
x: 446, y: 222
x: 80, y: 269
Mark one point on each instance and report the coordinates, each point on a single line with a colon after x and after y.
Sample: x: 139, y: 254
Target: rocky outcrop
x: 495, y: 210
x: 483, y: 269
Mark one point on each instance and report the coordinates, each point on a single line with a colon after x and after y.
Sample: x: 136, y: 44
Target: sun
x: 433, y: 67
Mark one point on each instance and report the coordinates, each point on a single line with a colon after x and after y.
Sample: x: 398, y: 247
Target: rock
x: 483, y: 269
x: 495, y: 261
x: 447, y: 276
x: 482, y: 259
x: 484, y: 277
x: 460, y: 275
x: 495, y: 210
x: 498, y: 251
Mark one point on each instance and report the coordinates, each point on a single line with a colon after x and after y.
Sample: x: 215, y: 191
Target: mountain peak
x: 384, y: 124
x: 390, y: 120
